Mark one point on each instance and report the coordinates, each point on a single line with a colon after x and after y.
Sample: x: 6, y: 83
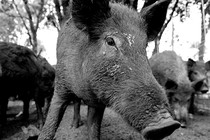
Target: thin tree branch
x: 29, y: 15
x: 167, y: 22
x: 21, y: 17
x: 32, y: 27
x: 207, y: 5
x: 39, y: 14
x: 58, y: 11
x: 12, y: 15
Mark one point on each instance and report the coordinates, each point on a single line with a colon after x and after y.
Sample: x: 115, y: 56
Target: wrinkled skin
x: 170, y: 71
x: 26, y: 76
x: 101, y: 59
x: 197, y: 72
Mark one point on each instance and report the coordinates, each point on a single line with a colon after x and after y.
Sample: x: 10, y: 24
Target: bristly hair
x: 90, y: 14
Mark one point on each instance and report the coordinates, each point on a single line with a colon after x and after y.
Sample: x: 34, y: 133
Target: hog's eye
x: 110, y: 41
x: 175, y: 99
x: 195, y: 72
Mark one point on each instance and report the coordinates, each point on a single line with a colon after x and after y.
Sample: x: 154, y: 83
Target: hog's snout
x: 162, y: 126
x: 201, y: 86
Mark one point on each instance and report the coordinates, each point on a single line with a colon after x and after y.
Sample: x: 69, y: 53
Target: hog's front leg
x: 55, y: 115
x: 94, y: 119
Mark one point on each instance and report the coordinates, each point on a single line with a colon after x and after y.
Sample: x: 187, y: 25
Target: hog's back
x: 168, y: 65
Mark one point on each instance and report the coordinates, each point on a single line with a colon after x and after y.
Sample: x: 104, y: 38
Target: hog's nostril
x: 183, y: 125
x: 162, y: 130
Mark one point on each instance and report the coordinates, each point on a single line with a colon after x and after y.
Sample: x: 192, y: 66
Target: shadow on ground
x: 113, y: 127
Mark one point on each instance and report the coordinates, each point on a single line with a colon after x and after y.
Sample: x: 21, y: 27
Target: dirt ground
x: 113, y: 126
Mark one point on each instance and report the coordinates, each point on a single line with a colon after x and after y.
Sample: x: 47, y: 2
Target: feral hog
x: 101, y: 59
x: 171, y: 72
x: 24, y: 75
x: 197, y: 72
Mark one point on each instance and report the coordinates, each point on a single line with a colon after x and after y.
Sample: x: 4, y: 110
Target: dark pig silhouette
x: 171, y: 72
x: 101, y: 59
x: 197, y: 72
x: 24, y: 75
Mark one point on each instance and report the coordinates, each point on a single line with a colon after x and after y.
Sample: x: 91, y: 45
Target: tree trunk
x: 33, y: 24
x: 157, y: 43
x: 172, y: 38
x: 35, y: 43
x: 201, y: 48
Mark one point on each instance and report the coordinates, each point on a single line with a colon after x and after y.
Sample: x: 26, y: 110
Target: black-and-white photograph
x: 104, y: 70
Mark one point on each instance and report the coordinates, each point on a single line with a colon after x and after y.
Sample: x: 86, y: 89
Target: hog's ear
x: 207, y: 66
x: 190, y: 63
x: 171, y: 85
x: 154, y: 16
x: 89, y: 13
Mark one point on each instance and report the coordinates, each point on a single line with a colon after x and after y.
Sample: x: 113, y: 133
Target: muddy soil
x: 113, y: 127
